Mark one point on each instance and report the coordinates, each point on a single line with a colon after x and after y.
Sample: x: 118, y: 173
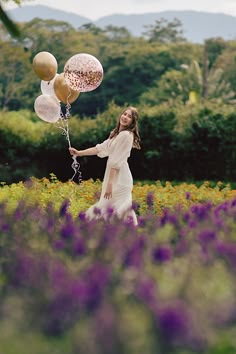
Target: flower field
x: 72, y: 286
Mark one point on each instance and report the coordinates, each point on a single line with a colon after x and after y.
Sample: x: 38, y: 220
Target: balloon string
x: 64, y: 126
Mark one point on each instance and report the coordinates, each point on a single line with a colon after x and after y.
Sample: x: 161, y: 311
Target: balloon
x: 47, y: 108
x: 83, y: 72
x: 62, y: 91
x: 45, y: 66
x: 47, y: 86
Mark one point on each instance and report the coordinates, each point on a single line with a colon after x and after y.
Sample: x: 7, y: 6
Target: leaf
x: 9, y: 24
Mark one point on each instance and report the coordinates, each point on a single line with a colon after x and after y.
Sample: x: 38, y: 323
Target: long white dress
x: 118, y: 150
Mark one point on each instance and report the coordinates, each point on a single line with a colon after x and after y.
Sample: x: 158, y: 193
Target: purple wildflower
x: 5, y: 228
x: 68, y: 229
x: 227, y: 250
x: 106, y: 328
x: 201, y: 211
x: 135, y: 206
x: 206, y: 236
x: 192, y: 224
x: 134, y: 255
x: 59, y: 244
x: 186, y: 216
x: 110, y: 211
x: 174, y: 323
x: 96, y: 211
x: 146, y: 290
x: 233, y: 202
x: 187, y: 195
x: 79, y: 247
x: 162, y: 254
x: 82, y: 216
x: 150, y: 200
x: 182, y: 247
x: 98, y: 276
x: 64, y: 207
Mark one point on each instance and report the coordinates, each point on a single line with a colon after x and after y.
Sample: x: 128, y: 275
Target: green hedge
x: 179, y: 142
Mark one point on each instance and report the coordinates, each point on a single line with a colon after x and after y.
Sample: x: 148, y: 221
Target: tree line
x: 157, y: 67
x: 185, y: 93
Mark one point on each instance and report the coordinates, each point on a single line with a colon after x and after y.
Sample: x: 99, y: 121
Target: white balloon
x: 47, y: 108
x: 47, y: 86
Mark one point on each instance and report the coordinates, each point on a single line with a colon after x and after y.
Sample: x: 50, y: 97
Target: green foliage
x: 178, y: 142
x: 10, y: 26
x: 133, y: 67
x: 164, y: 31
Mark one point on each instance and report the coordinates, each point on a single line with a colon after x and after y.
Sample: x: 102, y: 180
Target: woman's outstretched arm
x: 87, y: 152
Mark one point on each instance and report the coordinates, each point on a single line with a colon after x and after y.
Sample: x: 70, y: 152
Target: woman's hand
x: 74, y: 152
x: 108, y: 192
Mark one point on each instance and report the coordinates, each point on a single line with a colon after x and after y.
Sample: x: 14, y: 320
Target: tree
x: 90, y: 27
x: 15, y: 73
x: 117, y: 33
x: 190, y: 82
x: 165, y: 32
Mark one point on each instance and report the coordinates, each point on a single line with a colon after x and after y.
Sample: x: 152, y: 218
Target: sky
x: 94, y: 9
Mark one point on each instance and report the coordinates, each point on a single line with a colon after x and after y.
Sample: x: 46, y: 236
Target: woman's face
x: 126, y: 119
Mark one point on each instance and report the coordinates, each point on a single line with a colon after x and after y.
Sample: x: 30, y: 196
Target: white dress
x: 118, y: 150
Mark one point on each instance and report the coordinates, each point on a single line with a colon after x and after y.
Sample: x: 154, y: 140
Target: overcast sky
x: 94, y: 9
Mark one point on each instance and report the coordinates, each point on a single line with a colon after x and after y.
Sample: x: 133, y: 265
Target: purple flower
x: 173, y: 219
x: 206, y: 236
x: 201, y: 211
x: 134, y: 255
x: 82, y: 216
x: 96, y: 211
x: 59, y: 244
x: 182, y: 247
x: 64, y: 207
x: 174, y: 323
x: 141, y: 221
x: 187, y: 195
x: 146, y: 291
x: 106, y: 328
x: 162, y: 254
x: 110, y: 211
x: 97, y: 278
x: 79, y: 247
x: 5, y: 227
x: 186, y: 216
x: 227, y: 250
x: 192, y: 224
x: 68, y: 229
x: 150, y: 200
x: 233, y: 202
x: 135, y: 206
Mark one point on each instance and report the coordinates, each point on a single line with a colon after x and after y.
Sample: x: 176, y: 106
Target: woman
x: 117, y: 184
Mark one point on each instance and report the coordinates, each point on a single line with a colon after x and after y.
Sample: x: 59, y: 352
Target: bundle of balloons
x: 82, y: 73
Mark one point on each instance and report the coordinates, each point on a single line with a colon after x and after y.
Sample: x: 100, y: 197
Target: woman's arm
x: 111, y: 179
x: 87, y: 152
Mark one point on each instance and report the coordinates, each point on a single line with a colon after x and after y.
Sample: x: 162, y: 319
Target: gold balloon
x: 63, y: 92
x: 45, y: 66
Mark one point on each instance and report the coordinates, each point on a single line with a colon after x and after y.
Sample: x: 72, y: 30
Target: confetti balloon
x: 63, y: 92
x: 45, y: 66
x: 83, y: 72
x: 47, y: 108
x: 47, y: 86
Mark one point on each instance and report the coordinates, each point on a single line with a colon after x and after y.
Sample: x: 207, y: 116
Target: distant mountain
x: 28, y: 13
x: 197, y: 26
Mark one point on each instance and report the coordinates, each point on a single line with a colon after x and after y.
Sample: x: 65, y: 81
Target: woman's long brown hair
x: 133, y: 127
